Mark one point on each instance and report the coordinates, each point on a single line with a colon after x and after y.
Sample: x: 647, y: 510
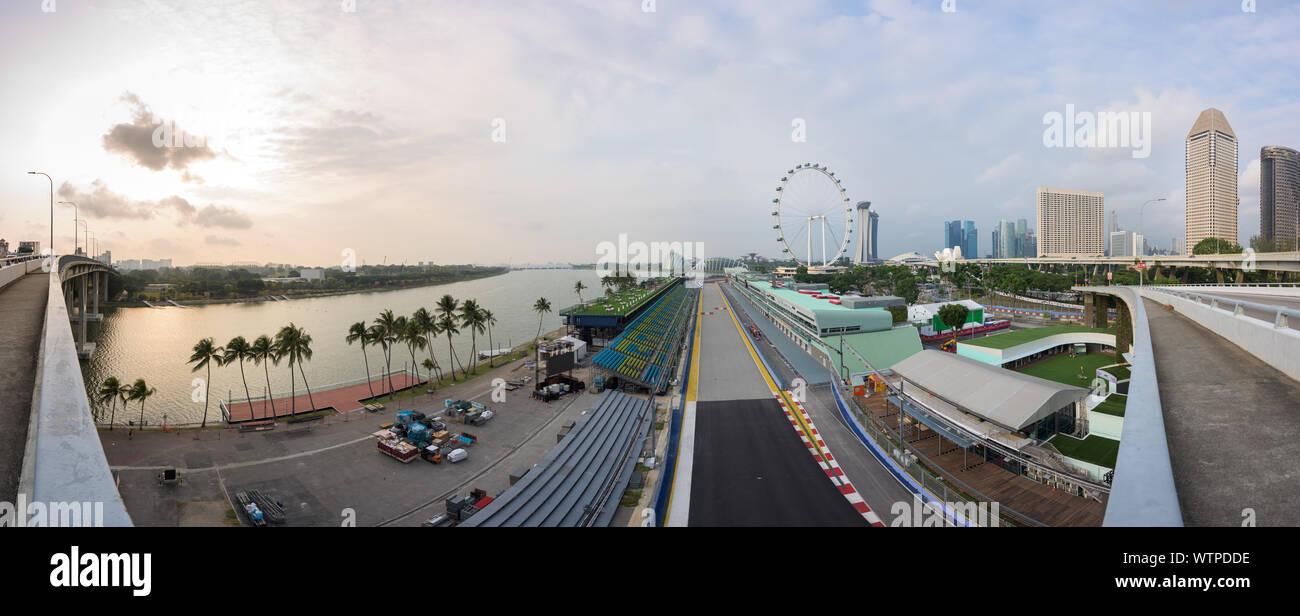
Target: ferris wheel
x: 812, y: 215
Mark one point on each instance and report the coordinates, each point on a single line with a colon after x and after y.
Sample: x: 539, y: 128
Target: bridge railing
x: 64, y: 461
x: 1143, y: 491
x: 1276, y: 343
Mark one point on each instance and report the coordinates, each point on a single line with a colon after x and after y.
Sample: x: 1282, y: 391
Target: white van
x: 457, y: 455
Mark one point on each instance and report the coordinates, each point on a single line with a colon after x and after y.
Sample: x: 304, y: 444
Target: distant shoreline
x: 266, y: 298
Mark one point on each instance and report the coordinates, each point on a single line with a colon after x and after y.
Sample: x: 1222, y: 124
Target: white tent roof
x: 1011, y: 399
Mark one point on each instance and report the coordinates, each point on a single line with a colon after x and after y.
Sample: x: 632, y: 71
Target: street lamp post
x: 47, y: 176
x: 76, y: 220
x: 1142, y: 272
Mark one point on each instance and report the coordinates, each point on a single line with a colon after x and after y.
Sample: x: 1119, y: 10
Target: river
x: 155, y: 343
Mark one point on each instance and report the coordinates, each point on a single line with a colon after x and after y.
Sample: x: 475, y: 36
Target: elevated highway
x: 49, y: 448
x: 1265, y: 261
x: 1220, y: 425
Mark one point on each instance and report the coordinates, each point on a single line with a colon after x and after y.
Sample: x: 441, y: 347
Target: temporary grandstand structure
x: 1013, y: 401
x: 581, y: 480
x: 645, y: 352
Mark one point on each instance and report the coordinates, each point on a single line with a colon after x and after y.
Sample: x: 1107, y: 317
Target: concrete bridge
x: 49, y: 448
x: 1210, y: 433
x: 1264, y: 261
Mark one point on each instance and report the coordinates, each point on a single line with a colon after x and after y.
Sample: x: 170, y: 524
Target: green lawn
x: 1064, y: 369
x: 1121, y: 372
x: 1021, y: 336
x: 1113, y: 405
x: 633, y: 298
x: 1094, y: 449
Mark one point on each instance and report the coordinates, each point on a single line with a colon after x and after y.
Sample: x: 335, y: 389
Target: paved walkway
x: 22, y: 319
x: 341, y: 399
x: 1232, y: 425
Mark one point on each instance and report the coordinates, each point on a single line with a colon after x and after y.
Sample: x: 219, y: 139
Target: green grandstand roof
x: 1022, y: 336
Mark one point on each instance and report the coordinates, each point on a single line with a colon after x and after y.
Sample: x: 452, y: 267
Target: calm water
x: 155, y: 343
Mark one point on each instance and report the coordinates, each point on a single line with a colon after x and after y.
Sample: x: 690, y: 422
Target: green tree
x: 489, y: 320
x: 205, y: 354
x: 578, y: 288
x: 295, y: 343
x: 414, y: 339
x: 906, y: 288
x: 1215, y: 245
x: 357, y: 333
x: 237, y: 350
x: 140, y: 391
x: 541, y: 307
x: 953, y: 316
x: 429, y: 328
x: 446, y: 309
x: 385, y: 331
x: 110, y: 389
x: 263, y: 352
x: 471, y: 317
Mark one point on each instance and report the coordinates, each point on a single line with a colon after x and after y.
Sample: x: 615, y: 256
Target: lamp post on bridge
x: 1142, y: 272
x: 47, y: 176
x: 76, y: 220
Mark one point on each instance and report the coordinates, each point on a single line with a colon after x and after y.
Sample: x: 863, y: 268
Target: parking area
x: 329, y: 472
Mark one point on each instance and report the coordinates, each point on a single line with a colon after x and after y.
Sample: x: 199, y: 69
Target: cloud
x: 222, y: 216
x: 101, y: 202
x: 136, y: 142
x: 221, y: 241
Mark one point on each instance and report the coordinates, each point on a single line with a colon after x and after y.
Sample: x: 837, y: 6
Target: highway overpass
x: 50, y: 451
x: 1264, y: 261
x: 1210, y: 432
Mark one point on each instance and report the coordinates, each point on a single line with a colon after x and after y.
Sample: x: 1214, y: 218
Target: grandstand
x: 645, y: 352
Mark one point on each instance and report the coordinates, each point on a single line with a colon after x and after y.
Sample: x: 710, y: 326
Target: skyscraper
x: 1070, y: 222
x: 1211, y: 160
x: 1279, y: 196
x: 868, y: 222
x: 970, y: 247
x: 1007, y: 240
x: 953, y: 234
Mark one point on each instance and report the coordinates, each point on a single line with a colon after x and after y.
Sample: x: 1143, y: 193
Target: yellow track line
x: 762, y: 369
x: 692, y: 390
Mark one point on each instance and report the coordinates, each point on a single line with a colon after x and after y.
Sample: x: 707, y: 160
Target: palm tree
x: 429, y: 328
x: 238, y: 350
x: 490, y: 319
x: 263, y: 352
x: 295, y: 343
x: 541, y: 307
x: 140, y: 391
x: 578, y: 288
x: 446, y: 309
x: 428, y: 365
x: 471, y: 316
x: 414, y: 339
x: 205, y: 354
x: 447, y: 324
x: 385, y: 332
x: 109, y: 391
x: 357, y: 333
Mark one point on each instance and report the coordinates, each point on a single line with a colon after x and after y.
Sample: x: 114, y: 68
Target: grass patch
x: 232, y: 519
x: 1113, y: 405
x: 1066, y: 369
x: 659, y: 425
x: 1094, y: 449
x: 1121, y: 373
x: 1022, y: 336
x: 630, y: 498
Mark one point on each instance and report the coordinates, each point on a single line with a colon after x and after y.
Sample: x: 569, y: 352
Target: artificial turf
x: 1065, y: 369
x: 1094, y: 449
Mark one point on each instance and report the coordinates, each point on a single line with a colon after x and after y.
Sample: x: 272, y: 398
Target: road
x: 22, y: 312
x: 1231, y: 422
x: 747, y: 466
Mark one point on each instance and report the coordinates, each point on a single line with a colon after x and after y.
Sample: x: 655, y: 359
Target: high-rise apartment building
x: 1279, y: 196
x: 1127, y: 244
x: 1070, y: 222
x: 1211, y: 161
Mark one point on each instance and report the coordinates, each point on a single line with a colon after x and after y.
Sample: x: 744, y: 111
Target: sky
x: 525, y: 132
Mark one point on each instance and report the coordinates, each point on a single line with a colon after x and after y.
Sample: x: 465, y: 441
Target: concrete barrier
x: 1278, y: 347
x: 1143, y: 491
x: 64, y: 461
